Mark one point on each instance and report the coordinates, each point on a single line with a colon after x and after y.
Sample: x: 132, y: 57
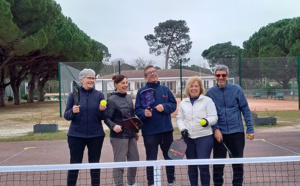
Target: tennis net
x: 282, y: 170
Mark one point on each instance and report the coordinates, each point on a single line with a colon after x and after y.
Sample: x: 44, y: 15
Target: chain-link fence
x: 260, y: 78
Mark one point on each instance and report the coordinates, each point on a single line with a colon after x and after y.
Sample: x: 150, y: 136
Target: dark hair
x: 147, y: 67
x: 118, y: 78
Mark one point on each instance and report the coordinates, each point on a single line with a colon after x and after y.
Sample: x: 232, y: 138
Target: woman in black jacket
x: 124, y: 142
x: 86, y: 126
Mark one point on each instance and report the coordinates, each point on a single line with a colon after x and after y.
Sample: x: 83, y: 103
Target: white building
x: 169, y: 78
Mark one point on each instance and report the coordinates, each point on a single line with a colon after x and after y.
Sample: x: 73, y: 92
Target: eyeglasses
x: 219, y: 75
x: 90, y: 78
x: 151, y: 72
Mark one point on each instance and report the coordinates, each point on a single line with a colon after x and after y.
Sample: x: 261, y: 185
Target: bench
x: 279, y: 95
x: 257, y: 95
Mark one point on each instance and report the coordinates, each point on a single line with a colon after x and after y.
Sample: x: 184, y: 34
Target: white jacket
x: 189, y: 116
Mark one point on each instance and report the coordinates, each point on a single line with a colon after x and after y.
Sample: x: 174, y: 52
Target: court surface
x: 57, y: 152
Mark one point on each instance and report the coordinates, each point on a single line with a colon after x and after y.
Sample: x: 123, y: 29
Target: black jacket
x: 119, y: 108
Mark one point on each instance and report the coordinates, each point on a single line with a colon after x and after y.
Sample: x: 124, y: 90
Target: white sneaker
x: 173, y: 184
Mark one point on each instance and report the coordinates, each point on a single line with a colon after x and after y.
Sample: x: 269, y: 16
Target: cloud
x: 121, y: 25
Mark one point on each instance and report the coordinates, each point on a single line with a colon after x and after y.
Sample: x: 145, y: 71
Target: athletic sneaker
x: 173, y: 184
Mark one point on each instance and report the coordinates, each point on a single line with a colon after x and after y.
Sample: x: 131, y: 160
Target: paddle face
x: 76, y: 93
x: 132, y: 124
x: 147, y: 98
x: 177, y: 149
x: 229, y: 152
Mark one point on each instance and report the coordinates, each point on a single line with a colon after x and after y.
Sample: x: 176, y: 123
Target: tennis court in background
x: 266, y: 144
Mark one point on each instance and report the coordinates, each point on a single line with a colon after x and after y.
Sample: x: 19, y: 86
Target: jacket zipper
x: 87, y: 112
x: 225, y: 108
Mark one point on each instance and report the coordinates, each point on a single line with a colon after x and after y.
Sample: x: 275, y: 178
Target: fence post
x: 180, y: 62
x: 59, y: 88
x: 299, y: 82
x: 240, y: 73
x: 119, y: 67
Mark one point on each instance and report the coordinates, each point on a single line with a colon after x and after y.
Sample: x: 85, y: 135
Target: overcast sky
x: 122, y: 24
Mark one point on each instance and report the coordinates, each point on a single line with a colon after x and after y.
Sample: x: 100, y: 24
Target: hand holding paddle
x: 185, y: 133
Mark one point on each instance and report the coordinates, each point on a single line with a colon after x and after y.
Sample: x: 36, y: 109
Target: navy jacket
x: 160, y: 121
x: 87, y: 123
x: 231, y: 102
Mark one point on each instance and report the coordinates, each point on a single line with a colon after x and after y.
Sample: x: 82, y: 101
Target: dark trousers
x: 199, y: 148
x: 77, y: 146
x: 151, y: 143
x: 235, y: 143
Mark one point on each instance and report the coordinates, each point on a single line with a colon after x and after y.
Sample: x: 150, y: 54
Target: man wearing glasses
x: 157, y: 129
x: 230, y: 102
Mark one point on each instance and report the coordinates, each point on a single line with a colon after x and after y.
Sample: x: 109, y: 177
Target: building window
x: 128, y: 86
x: 170, y: 85
x: 137, y: 85
x: 205, y: 84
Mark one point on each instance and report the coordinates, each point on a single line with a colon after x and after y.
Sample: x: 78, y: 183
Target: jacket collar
x: 188, y: 98
x: 227, y: 84
x: 118, y: 94
x: 153, y: 85
x: 86, y: 91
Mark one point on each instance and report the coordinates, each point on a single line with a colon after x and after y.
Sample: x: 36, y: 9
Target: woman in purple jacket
x: 86, y: 126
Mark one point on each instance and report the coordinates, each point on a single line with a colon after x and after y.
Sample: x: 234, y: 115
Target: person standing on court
x: 199, y: 138
x: 86, y: 126
x: 231, y: 103
x: 124, y: 142
x: 157, y: 129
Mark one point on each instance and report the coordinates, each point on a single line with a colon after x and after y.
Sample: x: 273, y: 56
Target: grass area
x: 15, y: 117
x: 30, y: 136
x: 284, y: 118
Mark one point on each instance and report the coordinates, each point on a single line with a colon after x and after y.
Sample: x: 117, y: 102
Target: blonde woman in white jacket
x: 199, y: 139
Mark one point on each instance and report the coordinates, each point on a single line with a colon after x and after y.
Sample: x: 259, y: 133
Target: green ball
x: 202, y: 122
x: 103, y: 103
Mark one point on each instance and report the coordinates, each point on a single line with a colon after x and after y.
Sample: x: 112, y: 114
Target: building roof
x: 163, y: 73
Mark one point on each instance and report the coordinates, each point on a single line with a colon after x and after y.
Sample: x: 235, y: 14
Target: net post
x: 157, y: 175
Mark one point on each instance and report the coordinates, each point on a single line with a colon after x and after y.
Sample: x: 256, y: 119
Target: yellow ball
x: 103, y: 103
x: 202, y: 122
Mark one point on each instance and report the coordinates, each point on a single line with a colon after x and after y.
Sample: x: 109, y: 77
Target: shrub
x: 35, y: 97
x: 10, y: 98
x: 24, y: 96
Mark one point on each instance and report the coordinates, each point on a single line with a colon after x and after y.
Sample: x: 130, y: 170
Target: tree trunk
x: 2, y: 88
x: 15, y: 84
x: 41, y: 85
x: 31, y: 86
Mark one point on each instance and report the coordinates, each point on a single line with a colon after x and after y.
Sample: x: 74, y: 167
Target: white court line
x: 26, y: 148
x: 277, y: 146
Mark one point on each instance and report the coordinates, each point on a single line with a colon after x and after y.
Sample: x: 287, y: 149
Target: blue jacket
x: 87, y: 123
x: 160, y: 121
x: 230, y: 102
